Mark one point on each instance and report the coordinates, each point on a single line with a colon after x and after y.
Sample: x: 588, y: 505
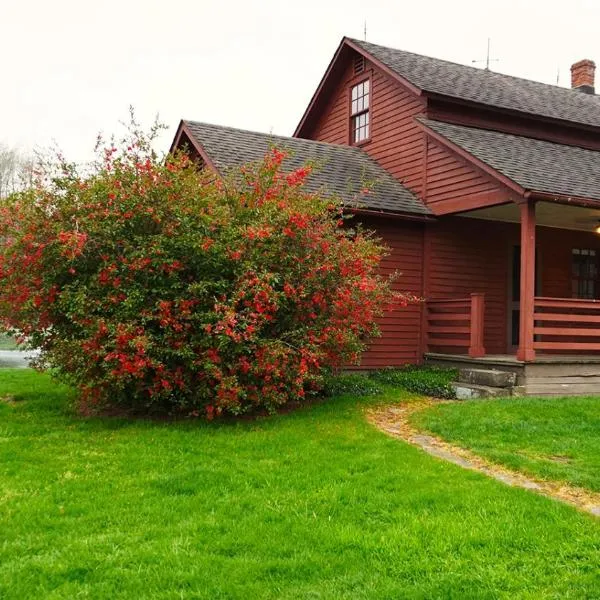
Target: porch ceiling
x: 548, y: 214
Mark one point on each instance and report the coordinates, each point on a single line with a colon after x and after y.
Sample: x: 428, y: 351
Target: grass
x: 556, y: 439
x: 7, y: 343
x: 316, y: 504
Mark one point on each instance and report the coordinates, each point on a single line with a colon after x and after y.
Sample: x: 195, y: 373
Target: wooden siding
x: 474, y: 255
x: 454, y: 258
x: 554, y: 257
x: 452, y: 183
x: 401, y: 328
x: 466, y: 256
x: 396, y: 142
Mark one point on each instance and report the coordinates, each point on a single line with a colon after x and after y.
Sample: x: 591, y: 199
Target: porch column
x: 526, y: 351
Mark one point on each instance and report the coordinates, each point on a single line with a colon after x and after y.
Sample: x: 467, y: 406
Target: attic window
x: 359, y: 65
x: 359, y: 112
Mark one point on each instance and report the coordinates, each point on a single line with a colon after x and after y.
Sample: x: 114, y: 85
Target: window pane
x: 366, y: 86
x: 354, y: 106
x: 354, y: 93
x: 584, y: 268
x: 366, y: 101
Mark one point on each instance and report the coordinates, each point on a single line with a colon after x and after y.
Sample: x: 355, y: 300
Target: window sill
x: 361, y: 143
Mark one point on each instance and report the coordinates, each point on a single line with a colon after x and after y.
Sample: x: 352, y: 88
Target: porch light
x: 597, y: 229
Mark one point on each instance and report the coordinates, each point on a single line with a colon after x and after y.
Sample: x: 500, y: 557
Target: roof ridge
x: 462, y: 65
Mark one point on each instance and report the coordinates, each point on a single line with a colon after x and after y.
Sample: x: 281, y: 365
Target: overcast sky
x: 71, y: 68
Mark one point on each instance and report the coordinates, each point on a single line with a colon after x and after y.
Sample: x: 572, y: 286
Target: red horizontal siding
x: 464, y: 256
x: 400, y: 328
x: 468, y: 256
x: 474, y: 255
x: 555, y: 256
x: 451, y: 179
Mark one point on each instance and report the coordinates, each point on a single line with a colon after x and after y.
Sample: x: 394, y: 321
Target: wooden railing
x: 566, y: 324
x: 456, y: 325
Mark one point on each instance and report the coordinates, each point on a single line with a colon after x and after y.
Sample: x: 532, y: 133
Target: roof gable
x: 424, y: 75
x: 345, y: 52
x: 340, y: 170
x: 472, y: 84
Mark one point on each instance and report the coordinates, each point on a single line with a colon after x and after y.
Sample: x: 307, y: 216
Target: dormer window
x: 359, y: 112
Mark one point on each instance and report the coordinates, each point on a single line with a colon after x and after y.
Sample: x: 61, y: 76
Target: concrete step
x: 488, y: 377
x: 466, y: 391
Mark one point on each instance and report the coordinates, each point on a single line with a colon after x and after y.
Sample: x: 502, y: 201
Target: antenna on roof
x: 487, y: 60
x: 365, y: 30
x: 557, y: 75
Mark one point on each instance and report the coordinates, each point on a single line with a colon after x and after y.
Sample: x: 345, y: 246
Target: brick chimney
x: 582, y: 76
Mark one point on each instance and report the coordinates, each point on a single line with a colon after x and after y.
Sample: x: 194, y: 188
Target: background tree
x: 16, y: 170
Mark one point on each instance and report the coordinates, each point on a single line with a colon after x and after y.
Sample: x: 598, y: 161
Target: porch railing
x: 566, y: 324
x: 455, y: 325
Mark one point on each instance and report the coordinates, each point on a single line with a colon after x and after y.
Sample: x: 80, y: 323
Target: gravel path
x: 394, y: 420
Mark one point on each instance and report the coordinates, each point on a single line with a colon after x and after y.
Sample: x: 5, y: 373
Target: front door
x: 514, y: 299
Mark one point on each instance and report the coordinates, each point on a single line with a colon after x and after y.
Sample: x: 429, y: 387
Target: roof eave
x: 389, y: 71
x: 319, y: 90
x: 405, y: 216
x: 562, y: 199
x: 183, y: 128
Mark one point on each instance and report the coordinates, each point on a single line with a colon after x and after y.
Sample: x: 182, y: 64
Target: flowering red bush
x: 148, y: 283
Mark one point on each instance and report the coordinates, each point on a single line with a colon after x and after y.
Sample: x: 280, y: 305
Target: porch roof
x: 534, y: 165
x: 341, y: 171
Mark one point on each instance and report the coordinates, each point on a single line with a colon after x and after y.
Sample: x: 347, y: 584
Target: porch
x: 551, y: 342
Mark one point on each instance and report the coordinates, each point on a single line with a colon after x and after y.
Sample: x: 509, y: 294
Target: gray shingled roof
x: 341, y: 170
x: 486, y: 87
x: 534, y: 164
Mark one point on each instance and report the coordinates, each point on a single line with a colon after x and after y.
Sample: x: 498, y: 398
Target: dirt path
x: 394, y: 420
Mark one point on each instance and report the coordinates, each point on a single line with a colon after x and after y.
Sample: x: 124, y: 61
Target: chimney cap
x: 586, y: 62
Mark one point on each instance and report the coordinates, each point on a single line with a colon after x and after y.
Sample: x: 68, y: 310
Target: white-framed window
x: 360, y: 121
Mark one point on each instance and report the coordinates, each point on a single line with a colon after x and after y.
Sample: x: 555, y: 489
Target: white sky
x: 71, y: 68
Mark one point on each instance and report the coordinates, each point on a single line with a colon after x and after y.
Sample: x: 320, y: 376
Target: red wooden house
x: 487, y: 191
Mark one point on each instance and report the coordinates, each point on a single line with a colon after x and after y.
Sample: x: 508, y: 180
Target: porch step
x: 488, y: 377
x: 466, y: 391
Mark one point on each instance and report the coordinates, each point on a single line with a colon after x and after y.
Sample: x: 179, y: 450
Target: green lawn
x: 317, y: 504
x: 557, y: 439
